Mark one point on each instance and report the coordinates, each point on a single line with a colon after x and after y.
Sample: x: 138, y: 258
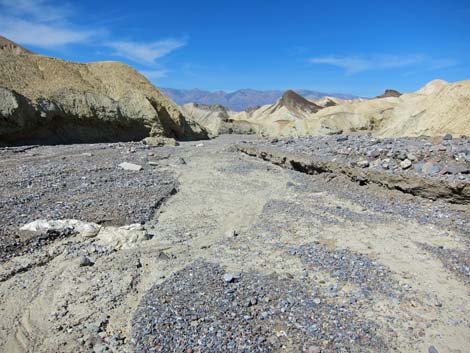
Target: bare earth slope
x: 74, y: 102
x: 246, y: 256
x: 444, y: 110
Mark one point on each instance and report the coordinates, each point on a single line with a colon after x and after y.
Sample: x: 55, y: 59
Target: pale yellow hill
x: 83, y: 89
x: 445, y: 110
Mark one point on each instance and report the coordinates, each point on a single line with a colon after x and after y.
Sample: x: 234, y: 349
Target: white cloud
x: 154, y: 74
x: 38, y: 10
x: 146, y: 53
x: 355, y: 64
x: 41, y: 34
x: 40, y: 23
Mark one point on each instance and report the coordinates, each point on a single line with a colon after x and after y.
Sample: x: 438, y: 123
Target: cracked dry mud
x: 246, y: 256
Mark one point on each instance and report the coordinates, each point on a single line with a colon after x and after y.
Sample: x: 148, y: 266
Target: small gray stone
x: 231, y: 277
x: 363, y: 164
x: 130, y: 166
x: 163, y: 256
x: 85, y: 261
x: 342, y: 138
x: 432, y: 349
x: 373, y: 153
x: 405, y: 164
x: 457, y: 169
x: 447, y: 137
x: 401, y: 155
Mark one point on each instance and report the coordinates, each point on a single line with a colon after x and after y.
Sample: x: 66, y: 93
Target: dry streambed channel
x: 237, y: 244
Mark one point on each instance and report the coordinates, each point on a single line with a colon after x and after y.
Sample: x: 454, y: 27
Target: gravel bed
x: 203, y: 309
x: 447, y: 159
x: 350, y: 267
x: 456, y: 261
x: 375, y: 198
x: 81, y: 182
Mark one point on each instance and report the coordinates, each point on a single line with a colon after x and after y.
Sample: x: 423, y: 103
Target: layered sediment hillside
x: 47, y: 100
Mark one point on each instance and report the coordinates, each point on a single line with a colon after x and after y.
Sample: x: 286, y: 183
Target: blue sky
x: 358, y: 47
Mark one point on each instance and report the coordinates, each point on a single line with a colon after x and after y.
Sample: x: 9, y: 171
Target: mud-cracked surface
x: 246, y: 256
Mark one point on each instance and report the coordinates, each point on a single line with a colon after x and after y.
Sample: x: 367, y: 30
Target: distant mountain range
x: 241, y: 99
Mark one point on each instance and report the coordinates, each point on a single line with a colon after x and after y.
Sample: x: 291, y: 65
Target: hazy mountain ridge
x: 241, y: 99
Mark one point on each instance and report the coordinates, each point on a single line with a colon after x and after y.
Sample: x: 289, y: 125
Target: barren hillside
x: 67, y: 100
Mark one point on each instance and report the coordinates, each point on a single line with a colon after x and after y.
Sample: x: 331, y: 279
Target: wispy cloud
x: 154, y: 74
x: 42, y: 34
x: 146, y: 53
x: 39, y: 10
x: 41, y: 23
x: 356, y: 64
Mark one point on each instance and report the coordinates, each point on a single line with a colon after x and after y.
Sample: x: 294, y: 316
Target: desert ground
x: 239, y: 243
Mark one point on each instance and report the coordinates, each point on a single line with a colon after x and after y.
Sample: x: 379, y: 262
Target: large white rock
x: 86, y: 229
x: 117, y: 238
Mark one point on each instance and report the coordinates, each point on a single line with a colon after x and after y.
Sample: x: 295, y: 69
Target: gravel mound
x: 203, y: 309
x: 347, y: 266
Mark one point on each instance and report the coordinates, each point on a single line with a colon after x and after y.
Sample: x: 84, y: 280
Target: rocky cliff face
x: 47, y: 100
x: 389, y: 93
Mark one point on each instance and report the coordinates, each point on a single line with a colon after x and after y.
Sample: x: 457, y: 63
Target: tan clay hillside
x: 445, y: 110
x: 435, y: 110
x: 217, y: 120
x: 8, y: 46
x: 78, y: 97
